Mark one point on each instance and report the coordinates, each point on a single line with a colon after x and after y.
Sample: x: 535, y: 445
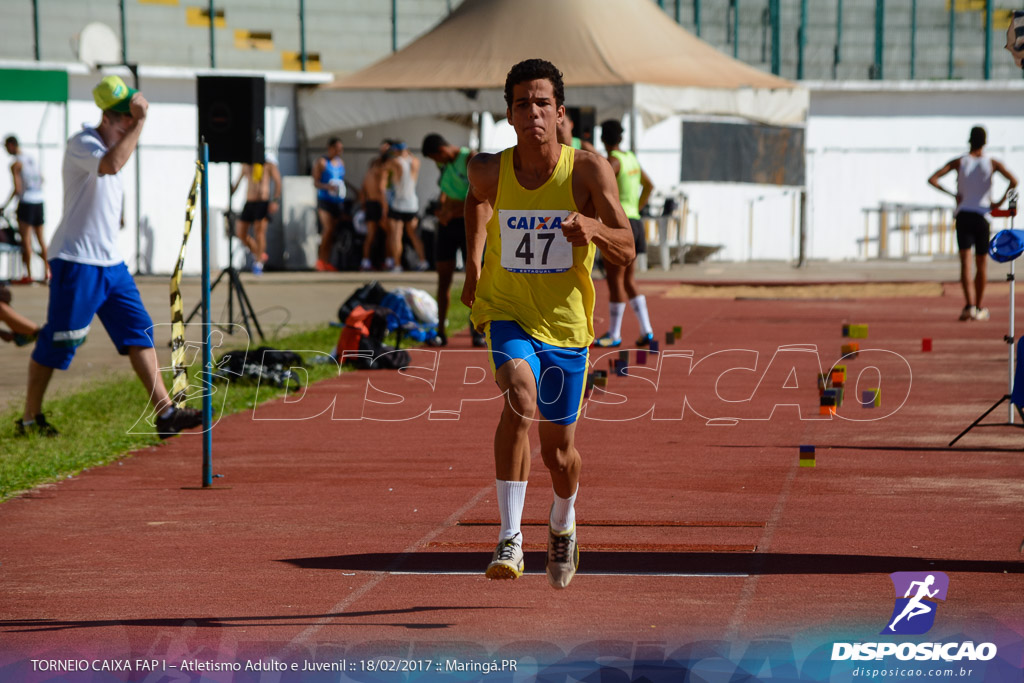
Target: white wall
x: 165, y: 158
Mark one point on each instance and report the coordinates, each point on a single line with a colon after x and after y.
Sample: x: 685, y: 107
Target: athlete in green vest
x: 634, y: 190
x: 451, y: 231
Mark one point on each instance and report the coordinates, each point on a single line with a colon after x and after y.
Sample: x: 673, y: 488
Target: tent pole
x: 632, y: 120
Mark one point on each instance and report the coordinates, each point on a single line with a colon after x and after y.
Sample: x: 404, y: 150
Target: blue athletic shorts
x: 561, y: 373
x: 78, y: 292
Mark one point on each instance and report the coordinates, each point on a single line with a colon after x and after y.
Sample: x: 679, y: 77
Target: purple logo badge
x: 916, y: 593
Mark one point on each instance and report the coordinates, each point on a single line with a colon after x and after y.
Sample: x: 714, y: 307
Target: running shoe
x: 325, y: 267
x: 607, y: 342
x: 645, y: 340
x: 967, y: 313
x: 365, y: 265
x: 980, y: 314
x: 507, y: 561
x: 479, y: 340
x: 39, y: 427
x: 563, y: 557
x: 179, y: 419
x: 27, y: 280
x: 257, y: 268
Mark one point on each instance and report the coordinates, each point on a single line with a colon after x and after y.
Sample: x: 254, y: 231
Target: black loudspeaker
x: 231, y: 117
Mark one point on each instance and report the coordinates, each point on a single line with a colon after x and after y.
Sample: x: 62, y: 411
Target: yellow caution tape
x: 179, y: 386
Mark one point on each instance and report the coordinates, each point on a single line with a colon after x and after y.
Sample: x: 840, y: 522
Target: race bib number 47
x: 532, y: 241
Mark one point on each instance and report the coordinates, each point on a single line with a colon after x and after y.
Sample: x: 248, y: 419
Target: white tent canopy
x: 616, y: 55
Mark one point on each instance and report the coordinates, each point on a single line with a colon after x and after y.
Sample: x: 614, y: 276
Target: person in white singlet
x: 28, y: 188
x: 405, y: 204
x: 973, y: 200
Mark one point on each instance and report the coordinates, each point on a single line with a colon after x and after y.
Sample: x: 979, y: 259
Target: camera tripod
x: 1015, y: 394
x: 235, y: 287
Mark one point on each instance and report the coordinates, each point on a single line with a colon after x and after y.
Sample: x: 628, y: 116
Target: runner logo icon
x: 916, y: 593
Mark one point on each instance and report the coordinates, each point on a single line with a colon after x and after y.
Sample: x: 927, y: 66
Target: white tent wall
x: 874, y: 142
x: 167, y: 154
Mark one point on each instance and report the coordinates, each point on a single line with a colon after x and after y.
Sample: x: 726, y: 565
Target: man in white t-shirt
x: 89, y: 276
x: 973, y: 201
x: 28, y: 188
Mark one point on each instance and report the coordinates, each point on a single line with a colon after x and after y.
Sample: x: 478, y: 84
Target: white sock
x: 563, y: 512
x: 511, y: 499
x: 615, y: 313
x: 639, y: 306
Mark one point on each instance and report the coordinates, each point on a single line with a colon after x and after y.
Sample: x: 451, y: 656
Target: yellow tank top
x: 536, y: 278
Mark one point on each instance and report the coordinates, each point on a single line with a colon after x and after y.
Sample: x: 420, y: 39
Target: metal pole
x: 736, y: 29
x: 302, y: 33
x: 138, y: 184
x: 838, y: 51
x: 213, y: 20
x: 696, y: 15
x: 677, y: 11
x: 913, y: 37
x: 394, y: 25
x: 124, y: 36
x: 879, y: 39
x: 952, y: 36
x: 207, y: 374
x: 803, y: 228
x: 988, y: 52
x: 774, y: 20
x: 801, y: 40
x: 35, y: 26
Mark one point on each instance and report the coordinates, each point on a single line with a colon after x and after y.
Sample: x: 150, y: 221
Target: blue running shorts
x: 78, y: 292
x: 561, y: 373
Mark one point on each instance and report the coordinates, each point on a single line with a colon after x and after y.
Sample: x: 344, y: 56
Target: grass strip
x: 101, y: 424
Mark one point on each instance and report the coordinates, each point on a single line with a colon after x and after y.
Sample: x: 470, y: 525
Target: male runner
x: 374, y: 196
x: 451, y: 231
x: 634, y: 190
x: 28, y: 188
x: 89, y: 275
x: 405, y: 205
x: 973, y: 200
x: 534, y: 299
x: 329, y: 180
x: 258, y: 207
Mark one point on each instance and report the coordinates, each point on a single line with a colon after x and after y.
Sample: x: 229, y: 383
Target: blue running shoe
x: 645, y: 340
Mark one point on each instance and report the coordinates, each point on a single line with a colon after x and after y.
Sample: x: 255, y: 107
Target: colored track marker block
x: 624, y: 356
x: 859, y: 331
x: 641, y: 357
x: 654, y: 346
x: 677, y: 331
x: 827, y: 410
x: 846, y: 330
x: 867, y: 398
x: 620, y: 368
x: 850, y: 349
x: 807, y: 456
x: 926, y: 344
x: 670, y: 338
x: 878, y: 397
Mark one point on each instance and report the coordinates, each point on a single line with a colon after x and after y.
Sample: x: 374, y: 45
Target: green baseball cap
x: 113, y: 95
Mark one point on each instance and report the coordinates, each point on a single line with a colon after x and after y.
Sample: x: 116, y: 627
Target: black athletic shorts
x: 30, y: 213
x: 402, y: 216
x: 372, y: 210
x: 972, y: 231
x: 639, y: 235
x: 333, y: 208
x: 450, y: 239
x: 254, y: 211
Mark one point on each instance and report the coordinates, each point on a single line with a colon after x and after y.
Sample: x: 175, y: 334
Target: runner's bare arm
x: 118, y: 155
x: 647, y: 186
x: 934, y: 180
x: 998, y: 167
x: 16, y: 187
x: 483, y: 186
x: 609, y: 228
x: 275, y: 196
x: 318, y: 171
